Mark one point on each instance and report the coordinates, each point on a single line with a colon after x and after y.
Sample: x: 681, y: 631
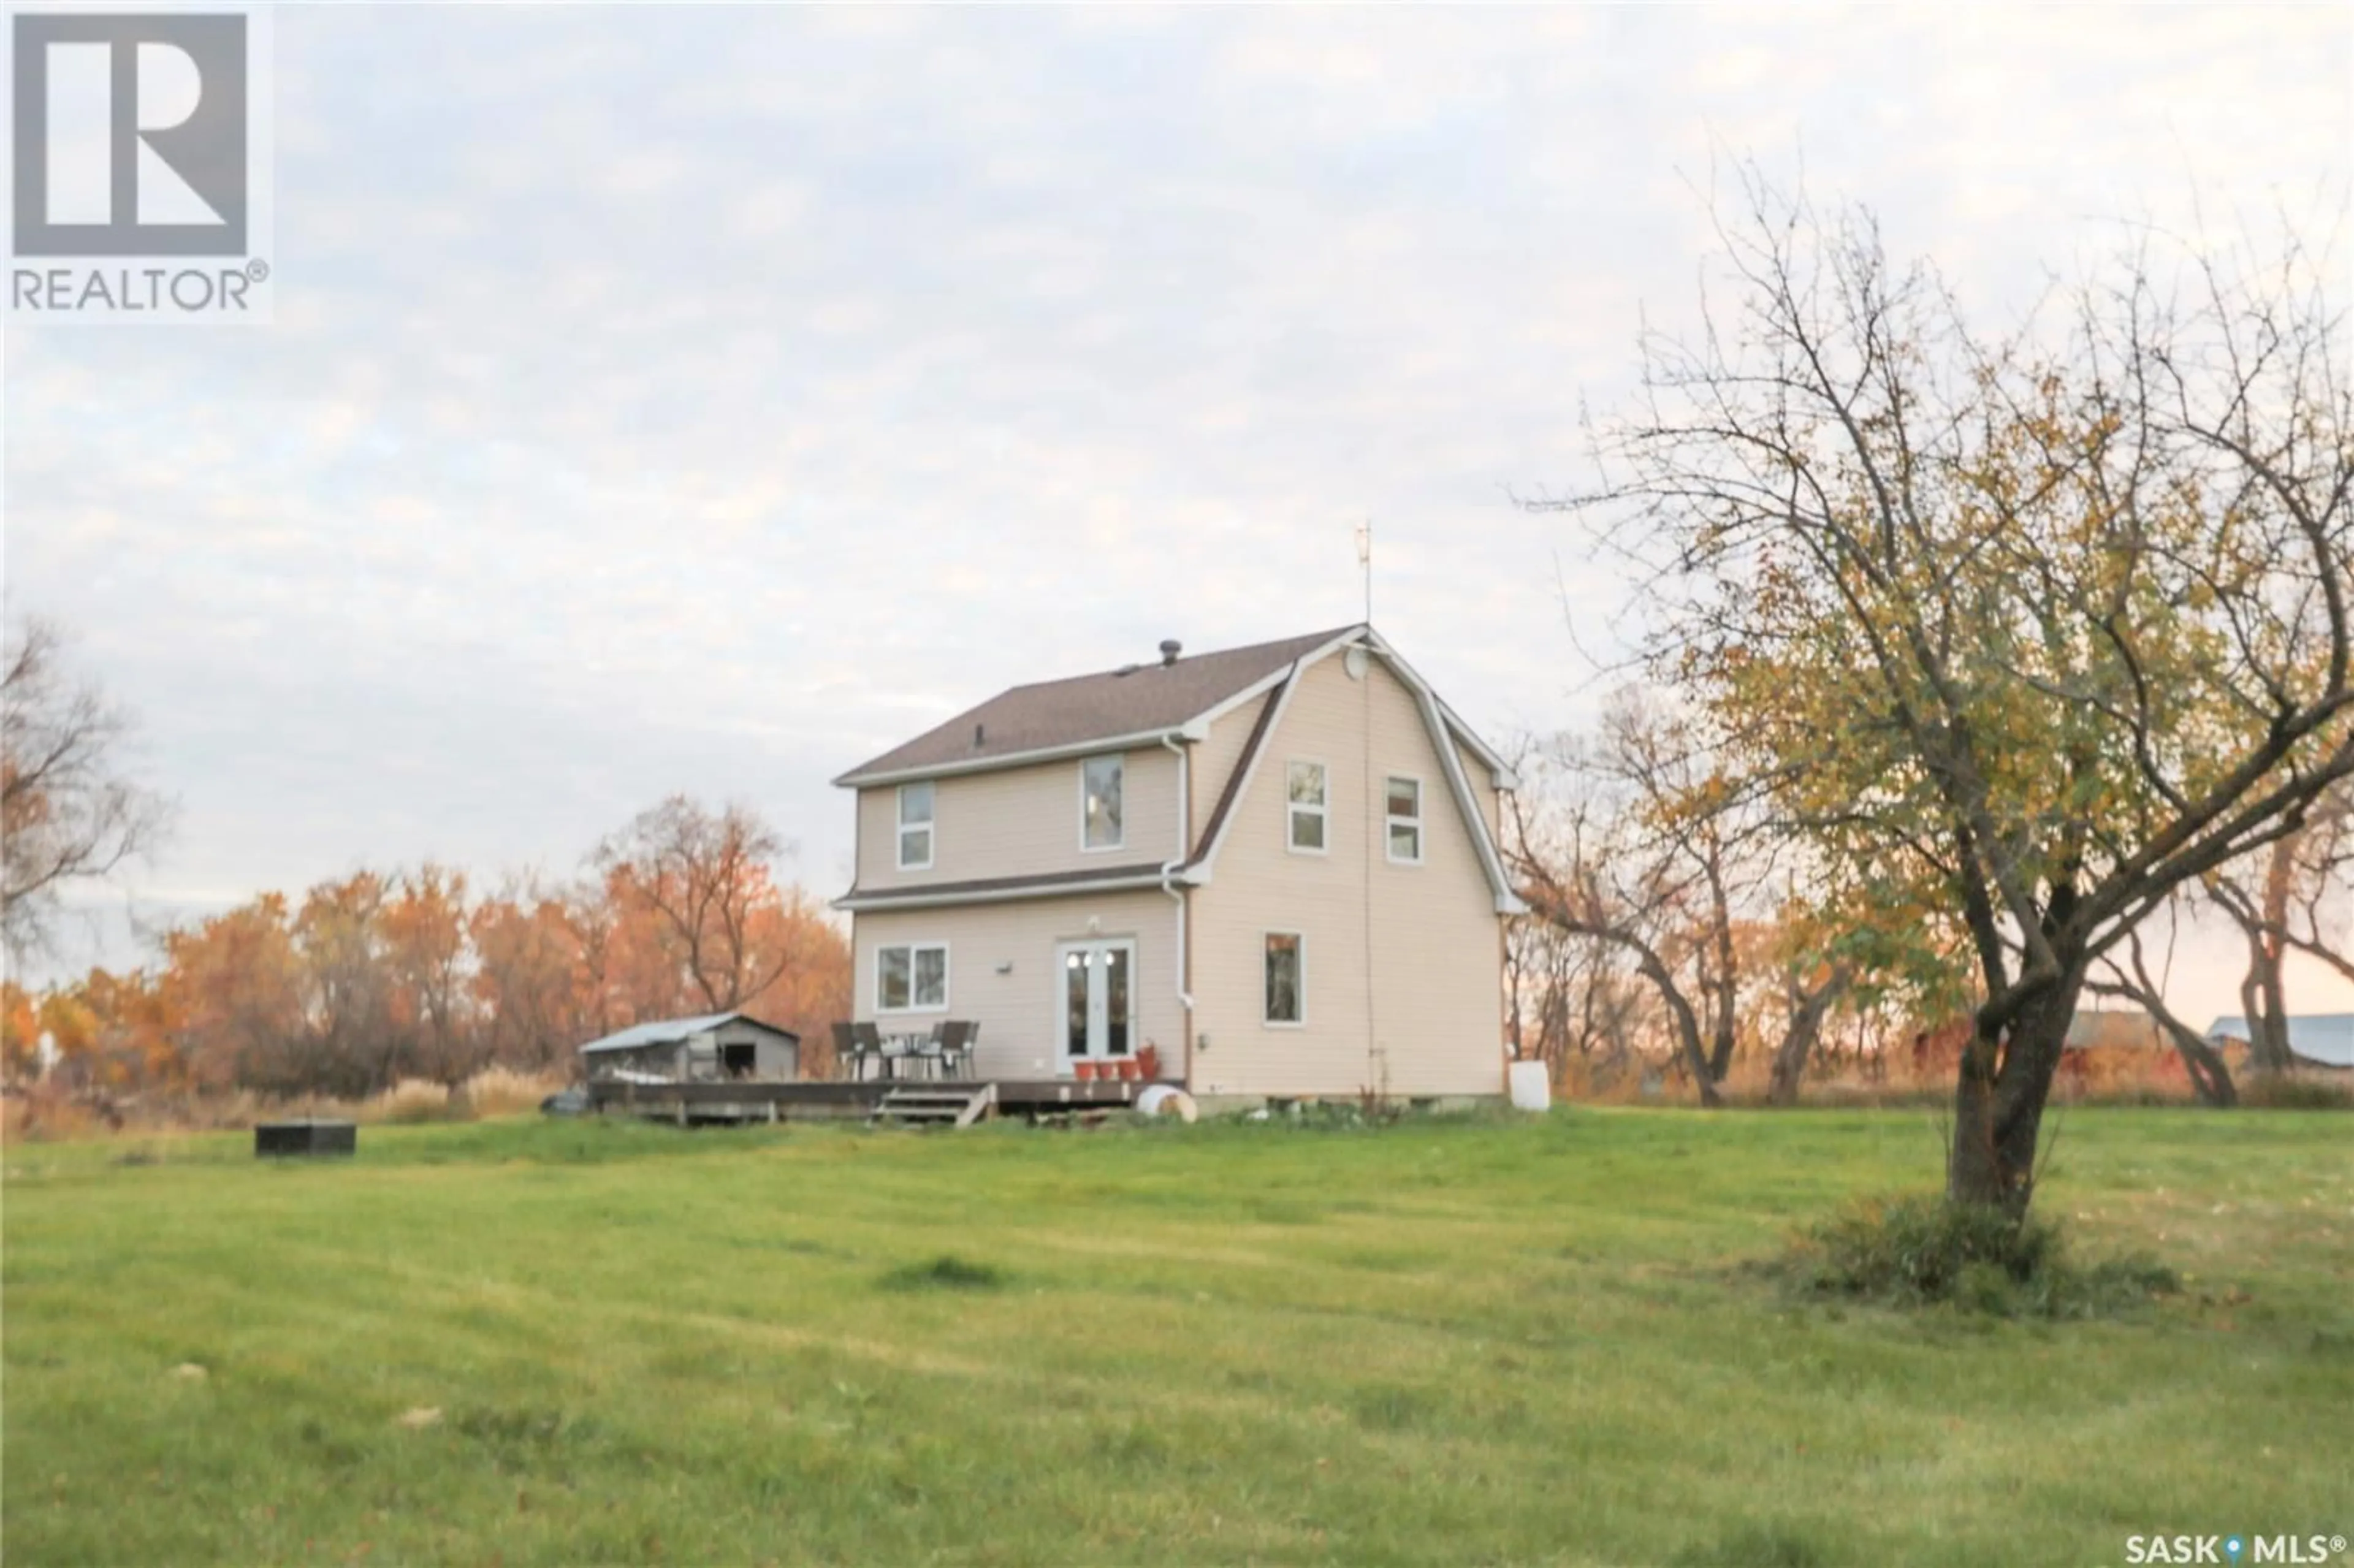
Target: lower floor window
x: 911, y: 977
x: 1285, y: 977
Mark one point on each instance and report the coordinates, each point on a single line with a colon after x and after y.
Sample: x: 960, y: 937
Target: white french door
x: 1094, y: 1018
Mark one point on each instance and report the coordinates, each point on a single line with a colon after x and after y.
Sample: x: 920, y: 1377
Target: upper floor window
x: 1099, y: 812
x: 915, y: 826
x: 1404, y: 813
x: 1304, y: 806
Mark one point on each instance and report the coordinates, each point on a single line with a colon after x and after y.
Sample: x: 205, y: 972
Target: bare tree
x: 68, y: 811
x: 1653, y: 854
x: 1591, y: 871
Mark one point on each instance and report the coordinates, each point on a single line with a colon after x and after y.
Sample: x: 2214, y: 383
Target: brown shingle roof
x: 1073, y: 712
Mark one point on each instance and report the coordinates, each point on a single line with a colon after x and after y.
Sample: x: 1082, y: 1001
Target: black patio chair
x: 845, y: 1050
x: 869, y: 1043
x: 956, y: 1037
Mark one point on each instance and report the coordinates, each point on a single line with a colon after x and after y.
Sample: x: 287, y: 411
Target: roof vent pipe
x: 1170, y: 649
x: 980, y: 735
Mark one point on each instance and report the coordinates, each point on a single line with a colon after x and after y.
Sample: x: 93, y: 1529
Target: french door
x: 1095, y: 1018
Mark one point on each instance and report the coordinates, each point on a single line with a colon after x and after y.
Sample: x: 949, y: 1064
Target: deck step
x: 936, y: 1108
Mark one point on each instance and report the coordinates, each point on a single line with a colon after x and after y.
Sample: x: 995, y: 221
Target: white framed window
x: 1403, y: 807
x: 1307, y: 804
x: 1287, y: 980
x: 1100, y: 778
x: 915, y: 826
x: 912, y: 977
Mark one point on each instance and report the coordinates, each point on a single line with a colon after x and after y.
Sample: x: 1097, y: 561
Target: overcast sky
x: 706, y: 399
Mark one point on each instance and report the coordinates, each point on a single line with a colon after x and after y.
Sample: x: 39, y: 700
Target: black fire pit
x: 309, y: 1136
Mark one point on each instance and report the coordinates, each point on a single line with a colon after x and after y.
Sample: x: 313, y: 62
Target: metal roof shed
x: 2315, y: 1039
x: 710, y: 1048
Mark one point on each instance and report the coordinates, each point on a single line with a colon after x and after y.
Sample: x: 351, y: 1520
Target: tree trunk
x: 1798, y: 1038
x: 2004, y: 1082
x: 1687, y: 1026
x: 1726, y: 987
x: 2262, y: 993
x: 2210, y: 1078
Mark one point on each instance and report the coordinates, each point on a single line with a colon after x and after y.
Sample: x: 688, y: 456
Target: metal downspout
x: 1177, y: 895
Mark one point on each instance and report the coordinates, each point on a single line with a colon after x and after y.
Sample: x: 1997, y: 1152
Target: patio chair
x: 869, y: 1043
x: 955, y: 1038
x: 847, y: 1056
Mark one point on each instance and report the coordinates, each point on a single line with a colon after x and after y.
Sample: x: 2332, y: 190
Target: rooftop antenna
x: 1365, y: 562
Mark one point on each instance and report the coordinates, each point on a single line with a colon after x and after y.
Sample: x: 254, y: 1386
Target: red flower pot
x: 1128, y: 1069
x: 1086, y: 1071
x: 1148, y: 1063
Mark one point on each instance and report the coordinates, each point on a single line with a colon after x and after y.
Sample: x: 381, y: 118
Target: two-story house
x: 1276, y: 863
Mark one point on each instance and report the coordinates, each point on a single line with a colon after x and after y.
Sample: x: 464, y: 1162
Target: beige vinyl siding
x: 1019, y: 822
x: 1413, y: 969
x: 1215, y: 758
x: 1019, y: 1010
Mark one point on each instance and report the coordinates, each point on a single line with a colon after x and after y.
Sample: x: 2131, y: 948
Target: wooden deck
x: 753, y: 1101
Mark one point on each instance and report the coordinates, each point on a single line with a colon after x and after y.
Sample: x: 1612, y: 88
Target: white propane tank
x: 1167, y: 1099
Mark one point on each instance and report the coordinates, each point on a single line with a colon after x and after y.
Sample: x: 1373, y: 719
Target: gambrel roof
x: 1144, y: 705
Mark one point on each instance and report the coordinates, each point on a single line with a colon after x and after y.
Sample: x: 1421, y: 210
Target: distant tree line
x: 381, y: 975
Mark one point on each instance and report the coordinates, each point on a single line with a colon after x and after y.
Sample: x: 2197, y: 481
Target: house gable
x: 1452, y: 751
x: 1398, y: 957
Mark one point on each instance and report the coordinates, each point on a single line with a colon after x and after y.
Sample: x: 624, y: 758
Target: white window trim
x: 1418, y: 822
x: 1324, y: 810
x: 947, y: 978
x: 1299, y: 948
x: 1121, y: 841
x: 931, y: 827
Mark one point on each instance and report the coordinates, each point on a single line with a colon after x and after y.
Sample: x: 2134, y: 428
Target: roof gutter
x: 1192, y: 729
x: 919, y: 898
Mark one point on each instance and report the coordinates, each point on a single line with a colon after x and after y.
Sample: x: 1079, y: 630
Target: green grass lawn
x: 1444, y: 1341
